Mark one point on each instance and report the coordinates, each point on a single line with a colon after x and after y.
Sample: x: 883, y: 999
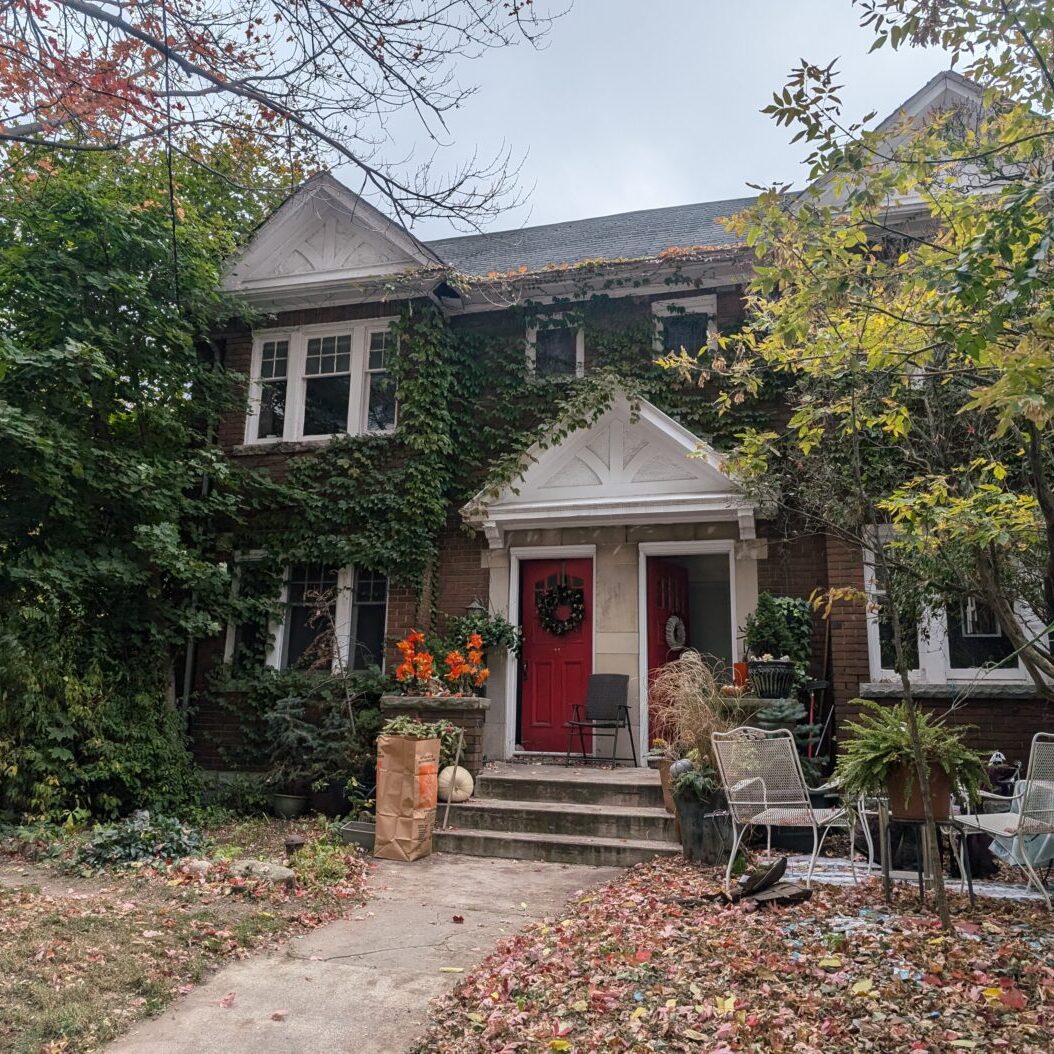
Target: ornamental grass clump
x: 688, y: 700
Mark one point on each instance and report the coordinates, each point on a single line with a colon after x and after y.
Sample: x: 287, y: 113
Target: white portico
x: 643, y: 518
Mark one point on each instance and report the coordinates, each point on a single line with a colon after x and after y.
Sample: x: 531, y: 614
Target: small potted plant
x: 292, y: 742
x: 706, y: 832
x: 688, y: 701
x: 661, y: 756
x: 360, y: 827
x: 778, y: 637
x: 878, y: 759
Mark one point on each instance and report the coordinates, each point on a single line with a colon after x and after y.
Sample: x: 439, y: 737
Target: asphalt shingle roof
x: 628, y: 235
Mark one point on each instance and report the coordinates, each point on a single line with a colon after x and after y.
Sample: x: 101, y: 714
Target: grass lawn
x: 646, y: 964
x: 82, y: 958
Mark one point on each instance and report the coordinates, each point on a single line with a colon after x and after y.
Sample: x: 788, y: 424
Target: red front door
x: 667, y: 600
x: 555, y: 668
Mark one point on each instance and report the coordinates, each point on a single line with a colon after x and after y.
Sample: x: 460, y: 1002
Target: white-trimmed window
x: 328, y: 614
x: 960, y: 642
x: 556, y: 350
x: 320, y: 381
x: 380, y: 389
x: 685, y: 322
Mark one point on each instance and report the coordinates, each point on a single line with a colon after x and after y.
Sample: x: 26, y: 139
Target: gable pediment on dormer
x: 324, y: 234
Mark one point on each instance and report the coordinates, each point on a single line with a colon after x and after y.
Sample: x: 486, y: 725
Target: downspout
x: 191, y: 649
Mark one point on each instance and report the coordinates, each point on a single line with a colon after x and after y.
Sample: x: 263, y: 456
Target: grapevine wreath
x: 551, y: 600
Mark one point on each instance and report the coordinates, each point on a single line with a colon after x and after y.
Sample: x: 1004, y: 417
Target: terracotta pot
x: 667, y: 785
x: 903, y: 777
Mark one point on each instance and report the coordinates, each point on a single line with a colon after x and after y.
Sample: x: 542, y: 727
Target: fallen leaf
x: 279, y: 1015
x: 458, y: 918
x: 227, y: 1001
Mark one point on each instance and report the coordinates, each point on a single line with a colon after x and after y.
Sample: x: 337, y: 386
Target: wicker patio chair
x: 606, y: 712
x: 763, y: 781
x: 1035, y: 810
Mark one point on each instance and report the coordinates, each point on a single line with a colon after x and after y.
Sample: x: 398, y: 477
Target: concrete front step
x: 634, y: 788
x: 563, y: 818
x: 561, y: 849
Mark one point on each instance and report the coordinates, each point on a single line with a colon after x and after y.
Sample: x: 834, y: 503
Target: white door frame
x: 518, y: 554
x: 646, y: 549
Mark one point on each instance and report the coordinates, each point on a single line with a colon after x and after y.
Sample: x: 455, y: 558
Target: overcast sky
x: 633, y: 105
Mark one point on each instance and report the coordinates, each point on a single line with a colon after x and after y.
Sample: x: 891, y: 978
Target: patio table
x: 923, y: 864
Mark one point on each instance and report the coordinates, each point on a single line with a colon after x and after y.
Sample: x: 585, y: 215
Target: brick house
x: 635, y: 510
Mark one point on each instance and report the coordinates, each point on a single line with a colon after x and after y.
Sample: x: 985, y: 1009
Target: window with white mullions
x: 274, y: 374
x: 380, y: 389
x: 685, y: 323
x: 327, y: 385
x: 311, y: 592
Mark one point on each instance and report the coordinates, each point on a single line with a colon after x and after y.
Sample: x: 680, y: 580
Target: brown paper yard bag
x: 407, y: 790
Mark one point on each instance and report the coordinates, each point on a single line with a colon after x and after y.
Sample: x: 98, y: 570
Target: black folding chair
x: 606, y: 709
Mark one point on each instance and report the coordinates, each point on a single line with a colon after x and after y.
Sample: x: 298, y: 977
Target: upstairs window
x: 556, y: 351
x: 684, y: 322
x: 327, y: 385
x: 380, y: 390
x: 321, y: 381
x: 274, y: 367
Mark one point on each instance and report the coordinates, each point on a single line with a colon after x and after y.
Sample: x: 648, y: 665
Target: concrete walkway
x: 363, y: 984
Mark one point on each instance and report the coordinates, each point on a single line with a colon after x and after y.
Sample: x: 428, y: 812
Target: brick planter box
x: 467, y: 712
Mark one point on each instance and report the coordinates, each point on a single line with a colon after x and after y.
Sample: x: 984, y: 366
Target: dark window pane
x: 368, y: 638
x: 274, y: 359
x: 326, y: 405
x: 369, y: 615
x: 684, y: 331
x: 309, y: 586
x: 555, y: 352
x: 380, y: 341
x: 381, y: 412
x: 975, y: 638
x: 370, y: 587
x: 910, y: 631
x: 272, y: 410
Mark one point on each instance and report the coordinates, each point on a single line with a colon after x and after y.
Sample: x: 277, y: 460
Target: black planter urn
x: 771, y: 678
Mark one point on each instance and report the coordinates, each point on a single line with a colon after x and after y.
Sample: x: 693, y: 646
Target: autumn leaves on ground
x: 649, y: 964
x: 83, y: 957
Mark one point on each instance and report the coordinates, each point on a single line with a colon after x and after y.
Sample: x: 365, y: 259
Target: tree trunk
x: 922, y: 774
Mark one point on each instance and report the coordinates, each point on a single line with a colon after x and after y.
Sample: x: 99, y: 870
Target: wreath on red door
x: 552, y: 599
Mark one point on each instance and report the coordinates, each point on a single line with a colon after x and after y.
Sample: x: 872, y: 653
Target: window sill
x: 280, y: 446
x: 952, y: 689
x: 298, y: 446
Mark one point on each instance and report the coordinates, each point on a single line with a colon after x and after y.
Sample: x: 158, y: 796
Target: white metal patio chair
x: 1034, y: 815
x: 765, y: 787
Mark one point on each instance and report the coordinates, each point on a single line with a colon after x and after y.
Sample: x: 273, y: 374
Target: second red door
x: 555, y: 668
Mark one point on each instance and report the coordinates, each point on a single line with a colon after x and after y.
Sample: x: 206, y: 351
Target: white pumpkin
x: 455, y: 784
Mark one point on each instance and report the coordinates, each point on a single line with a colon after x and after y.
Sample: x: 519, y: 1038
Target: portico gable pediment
x: 628, y: 467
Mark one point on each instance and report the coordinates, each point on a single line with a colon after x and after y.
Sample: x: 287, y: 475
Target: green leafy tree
x: 906, y: 298
x: 113, y: 495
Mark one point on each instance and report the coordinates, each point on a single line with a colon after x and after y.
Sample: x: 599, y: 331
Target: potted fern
x: 878, y: 760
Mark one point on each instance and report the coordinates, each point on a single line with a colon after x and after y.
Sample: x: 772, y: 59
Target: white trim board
x: 644, y: 550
